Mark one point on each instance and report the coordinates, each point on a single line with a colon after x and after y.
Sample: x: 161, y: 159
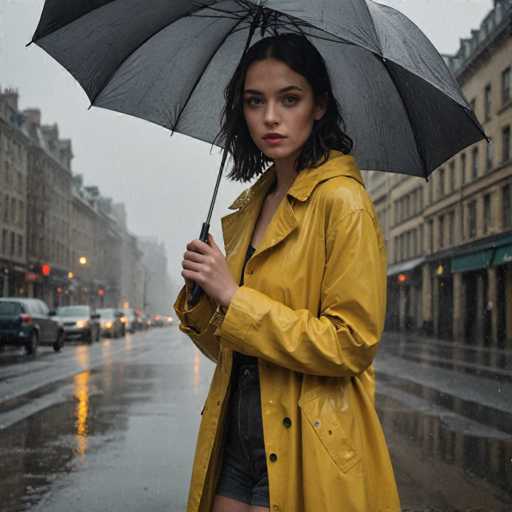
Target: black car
x: 79, y: 322
x: 29, y: 323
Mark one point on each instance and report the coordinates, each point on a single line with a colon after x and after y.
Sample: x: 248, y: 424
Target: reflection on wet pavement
x: 119, y: 434
x: 116, y: 441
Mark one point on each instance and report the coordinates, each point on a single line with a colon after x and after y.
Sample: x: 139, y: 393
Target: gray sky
x: 161, y: 179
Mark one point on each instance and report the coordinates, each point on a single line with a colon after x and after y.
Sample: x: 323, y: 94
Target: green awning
x: 503, y: 255
x: 474, y: 261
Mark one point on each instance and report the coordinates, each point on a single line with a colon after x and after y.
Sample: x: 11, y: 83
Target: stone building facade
x: 59, y: 239
x: 13, y: 195
x: 449, y: 238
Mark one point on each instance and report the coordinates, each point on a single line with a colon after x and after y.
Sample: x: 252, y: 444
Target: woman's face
x: 276, y: 99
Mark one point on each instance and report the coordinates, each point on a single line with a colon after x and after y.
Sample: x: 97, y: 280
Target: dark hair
x: 299, y: 54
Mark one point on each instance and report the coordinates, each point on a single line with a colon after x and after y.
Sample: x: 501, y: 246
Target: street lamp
x: 83, y: 260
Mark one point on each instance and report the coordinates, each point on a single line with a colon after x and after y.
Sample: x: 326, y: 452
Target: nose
x: 271, y: 114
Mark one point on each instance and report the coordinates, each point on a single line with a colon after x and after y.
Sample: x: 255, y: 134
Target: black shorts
x: 244, y: 470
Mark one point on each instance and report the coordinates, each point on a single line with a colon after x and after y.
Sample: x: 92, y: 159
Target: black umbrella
x: 169, y: 61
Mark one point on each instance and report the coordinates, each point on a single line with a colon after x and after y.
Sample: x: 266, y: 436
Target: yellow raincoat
x: 312, y: 311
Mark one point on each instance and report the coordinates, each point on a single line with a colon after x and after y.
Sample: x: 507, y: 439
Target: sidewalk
x: 440, y: 374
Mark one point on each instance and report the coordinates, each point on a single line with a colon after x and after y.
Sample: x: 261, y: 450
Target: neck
x: 285, y: 175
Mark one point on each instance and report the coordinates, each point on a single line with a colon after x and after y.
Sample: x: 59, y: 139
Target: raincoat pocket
x: 332, y: 424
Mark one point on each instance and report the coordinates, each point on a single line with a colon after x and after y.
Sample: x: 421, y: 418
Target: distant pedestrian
x: 294, y: 313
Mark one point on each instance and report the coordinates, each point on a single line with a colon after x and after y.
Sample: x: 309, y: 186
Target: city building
x: 158, y: 293
x: 449, y: 238
x: 49, y: 212
x: 14, y: 149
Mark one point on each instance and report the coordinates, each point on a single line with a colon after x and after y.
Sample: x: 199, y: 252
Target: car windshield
x: 105, y: 313
x: 10, y: 308
x: 73, y: 311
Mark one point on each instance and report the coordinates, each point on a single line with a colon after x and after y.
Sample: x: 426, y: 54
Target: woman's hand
x: 206, y: 265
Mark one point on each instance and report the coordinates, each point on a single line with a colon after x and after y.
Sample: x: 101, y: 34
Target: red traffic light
x: 46, y: 269
x: 101, y: 292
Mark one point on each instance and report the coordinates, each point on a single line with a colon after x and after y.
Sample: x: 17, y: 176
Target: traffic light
x: 46, y: 269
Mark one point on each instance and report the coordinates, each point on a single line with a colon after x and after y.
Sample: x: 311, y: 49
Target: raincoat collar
x: 337, y: 164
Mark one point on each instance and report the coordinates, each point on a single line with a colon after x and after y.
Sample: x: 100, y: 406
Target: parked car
x: 130, y: 320
x: 110, y: 322
x: 79, y: 322
x: 157, y: 320
x: 29, y: 323
x: 146, y: 322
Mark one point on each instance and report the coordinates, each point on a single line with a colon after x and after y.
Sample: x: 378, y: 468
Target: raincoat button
x: 287, y: 422
x: 273, y: 457
x: 275, y: 507
x: 317, y: 423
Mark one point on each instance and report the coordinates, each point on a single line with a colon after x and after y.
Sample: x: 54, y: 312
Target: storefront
x: 502, y: 260
x: 404, y: 296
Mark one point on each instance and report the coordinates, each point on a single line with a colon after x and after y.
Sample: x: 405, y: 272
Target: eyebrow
x: 285, y: 89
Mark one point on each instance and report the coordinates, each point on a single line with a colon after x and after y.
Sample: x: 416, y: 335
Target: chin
x: 280, y: 153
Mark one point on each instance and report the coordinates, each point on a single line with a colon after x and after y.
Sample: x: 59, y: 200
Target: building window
x: 507, y: 205
x: 463, y: 167
x: 489, y: 150
x: 441, y: 231
x: 6, y: 209
x: 20, y: 246
x: 431, y: 190
x: 452, y: 176
x: 487, y: 212
x: 506, y: 94
x: 505, y: 144
x: 472, y: 219
x: 431, y: 234
x: 487, y: 102
x: 451, y: 228
x: 415, y: 243
x: 440, y: 183
x: 13, y: 244
x: 421, y: 238
x: 474, y: 163
x: 473, y: 105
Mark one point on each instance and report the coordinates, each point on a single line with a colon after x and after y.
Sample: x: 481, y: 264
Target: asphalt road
x: 112, y: 427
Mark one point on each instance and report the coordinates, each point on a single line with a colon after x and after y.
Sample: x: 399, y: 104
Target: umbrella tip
x: 89, y: 107
x: 29, y: 43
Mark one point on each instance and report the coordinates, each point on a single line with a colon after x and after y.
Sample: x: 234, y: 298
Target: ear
x: 321, y: 106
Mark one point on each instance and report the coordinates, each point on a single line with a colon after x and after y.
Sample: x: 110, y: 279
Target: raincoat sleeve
x: 196, y: 323
x: 342, y: 340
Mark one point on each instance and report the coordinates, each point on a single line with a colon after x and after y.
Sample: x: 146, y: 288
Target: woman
x: 294, y: 313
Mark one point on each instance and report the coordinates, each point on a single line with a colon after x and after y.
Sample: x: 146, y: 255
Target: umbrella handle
x: 196, y: 289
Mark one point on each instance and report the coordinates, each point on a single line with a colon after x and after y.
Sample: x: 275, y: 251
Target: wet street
x: 112, y: 426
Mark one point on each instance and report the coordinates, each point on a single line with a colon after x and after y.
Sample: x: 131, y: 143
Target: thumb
x: 211, y: 242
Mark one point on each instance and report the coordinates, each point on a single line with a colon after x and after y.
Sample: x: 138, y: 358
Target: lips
x: 273, y: 137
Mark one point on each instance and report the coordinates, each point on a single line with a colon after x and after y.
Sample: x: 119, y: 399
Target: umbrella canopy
x: 169, y: 62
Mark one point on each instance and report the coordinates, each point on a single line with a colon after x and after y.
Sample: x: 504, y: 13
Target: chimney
x: 33, y: 116
x: 10, y: 96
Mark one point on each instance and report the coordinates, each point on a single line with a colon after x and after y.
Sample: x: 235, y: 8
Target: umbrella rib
x: 203, y: 72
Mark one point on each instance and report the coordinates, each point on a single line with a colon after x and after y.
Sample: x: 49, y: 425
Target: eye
x: 291, y: 100
x: 249, y: 100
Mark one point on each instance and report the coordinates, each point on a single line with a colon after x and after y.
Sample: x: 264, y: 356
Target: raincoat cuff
x: 237, y: 319
x: 195, y: 317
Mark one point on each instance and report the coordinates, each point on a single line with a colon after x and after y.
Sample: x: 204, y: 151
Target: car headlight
x: 82, y: 323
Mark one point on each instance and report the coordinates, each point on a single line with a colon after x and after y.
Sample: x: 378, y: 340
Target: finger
x: 198, y: 246
x: 190, y: 265
x: 194, y: 256
x: 211, y: 242
x: 193, y: 276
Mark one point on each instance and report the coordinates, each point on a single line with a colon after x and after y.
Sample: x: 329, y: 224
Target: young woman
x: 294, y: 313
